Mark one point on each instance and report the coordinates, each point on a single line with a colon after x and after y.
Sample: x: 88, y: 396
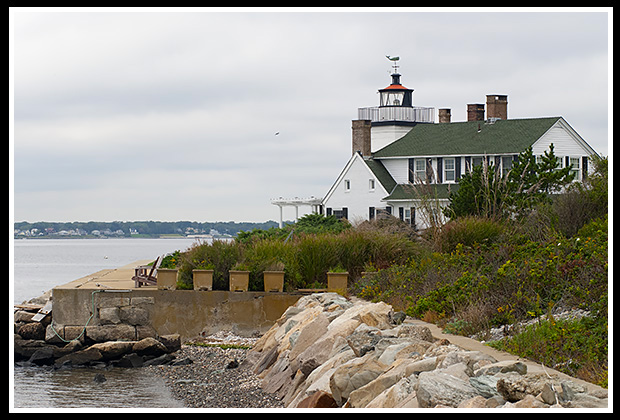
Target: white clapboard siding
x: 565, y: 141
x: 398, y: 168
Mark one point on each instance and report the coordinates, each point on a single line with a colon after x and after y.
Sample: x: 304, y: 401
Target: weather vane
x: 395, y: 61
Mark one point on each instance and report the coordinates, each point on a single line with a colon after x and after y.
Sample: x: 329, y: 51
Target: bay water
x: 41, y: 264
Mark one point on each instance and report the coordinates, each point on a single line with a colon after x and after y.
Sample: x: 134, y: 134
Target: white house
x: 397, y: 146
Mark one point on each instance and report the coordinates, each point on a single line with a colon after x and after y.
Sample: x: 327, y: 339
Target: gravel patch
x: 213, y: 378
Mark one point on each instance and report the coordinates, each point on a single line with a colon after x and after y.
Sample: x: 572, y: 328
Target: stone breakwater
x: 38, y: 343
x: 327, y: 352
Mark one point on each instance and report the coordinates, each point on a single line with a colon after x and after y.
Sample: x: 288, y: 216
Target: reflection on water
x: 36, y: 387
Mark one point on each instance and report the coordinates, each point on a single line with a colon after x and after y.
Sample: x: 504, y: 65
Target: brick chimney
x: 361, y: 137
x: 475, y: 112
x: 444, y: 115
x: 497, y: 106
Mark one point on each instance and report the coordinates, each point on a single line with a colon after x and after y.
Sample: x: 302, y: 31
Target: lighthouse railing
x: 395, y: 113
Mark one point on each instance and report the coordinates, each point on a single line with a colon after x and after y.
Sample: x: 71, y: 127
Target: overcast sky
x: 171, y: 115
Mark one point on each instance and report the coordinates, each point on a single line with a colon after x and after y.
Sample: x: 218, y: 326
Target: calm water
x: 40, y: 265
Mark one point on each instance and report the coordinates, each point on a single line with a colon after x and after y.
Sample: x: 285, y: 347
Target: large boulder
x: 440, y: 388
x: 113, y: 349
x: 149, y: 347
x: 353, y: 375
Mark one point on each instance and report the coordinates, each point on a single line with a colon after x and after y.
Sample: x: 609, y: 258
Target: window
x: 347, y: 185
x: 449, y: 170
x: 371, y: 184
x: 575, y: 168
x: 506, y: 164
x: 420, y: 170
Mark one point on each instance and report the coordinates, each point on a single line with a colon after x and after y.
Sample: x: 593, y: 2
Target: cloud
x: 112, y: 106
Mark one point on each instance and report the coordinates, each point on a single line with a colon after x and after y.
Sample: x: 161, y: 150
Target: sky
x: 172, y: 114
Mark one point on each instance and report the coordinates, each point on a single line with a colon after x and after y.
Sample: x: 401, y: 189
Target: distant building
x: 397, y: 144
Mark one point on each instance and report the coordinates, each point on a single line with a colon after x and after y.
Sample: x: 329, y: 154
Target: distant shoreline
x: 47, y: 237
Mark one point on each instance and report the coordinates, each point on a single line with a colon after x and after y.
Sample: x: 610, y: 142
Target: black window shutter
x: 457, y: 169
x: 345, y: 212
x: 439, y: 170
x: 411, y: 171
x: 584, y: 168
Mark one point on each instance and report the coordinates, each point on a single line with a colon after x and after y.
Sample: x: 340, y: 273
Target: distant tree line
x: 147, y: 228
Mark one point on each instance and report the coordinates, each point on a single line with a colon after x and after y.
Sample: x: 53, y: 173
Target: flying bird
x: 277, y: 132
x: 392, y: 58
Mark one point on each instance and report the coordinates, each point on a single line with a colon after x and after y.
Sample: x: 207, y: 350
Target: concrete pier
x: 108, y: 300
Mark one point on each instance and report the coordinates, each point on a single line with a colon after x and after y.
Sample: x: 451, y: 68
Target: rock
x: 43, y: 356
x: 398, y: 318
x: 439, y: 388
x: 416, y: 331
x: 32, y: 331
x: 529, y: 401
x: 361, y: 342
x: 486, y: 385
x: 512, y: 387
x: 103, y: 333
x: 266, y: 360
x: 113, y: 349
x: 309, y: 335
x: 353, y: 375
x: 131, y: 360
x: 504, y: 366
x: 133, y: 315
x: 319, y: 399
x: 109, y: 316
x: 399, y: 395
x: 475, y: 402
x: 233, y: 364
x: 149, y: 347
x: 99, y: 378
x: 549, y: 395
x: 172, y: 342
x: 164, y: 359
x: 23, y: 316
x: 182, y: 362
x: 81, y: 357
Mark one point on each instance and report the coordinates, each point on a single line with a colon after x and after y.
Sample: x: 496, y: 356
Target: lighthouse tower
x: 378, y: 126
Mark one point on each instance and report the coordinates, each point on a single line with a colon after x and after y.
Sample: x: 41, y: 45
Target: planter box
x: 337, y: 282
x: 167, y: 278
x: 274, y: 281
x: 203, y: 279
x: 239, y: 281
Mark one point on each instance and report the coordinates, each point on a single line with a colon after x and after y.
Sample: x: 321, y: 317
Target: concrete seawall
x: 109, y: 303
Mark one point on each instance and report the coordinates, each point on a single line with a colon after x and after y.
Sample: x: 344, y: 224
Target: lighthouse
x: 378, y: 126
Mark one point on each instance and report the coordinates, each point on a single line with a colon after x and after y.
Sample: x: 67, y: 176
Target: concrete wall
x: 185, y: 312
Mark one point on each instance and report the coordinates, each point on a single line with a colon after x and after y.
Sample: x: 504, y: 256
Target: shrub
x: 222, y: 255
x: 469, y: 231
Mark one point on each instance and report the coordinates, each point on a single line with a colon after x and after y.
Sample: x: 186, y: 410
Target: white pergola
x: 297, y: 202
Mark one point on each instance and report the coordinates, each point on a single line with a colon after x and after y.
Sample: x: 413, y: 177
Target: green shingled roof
x: 463, y: 138
x: 382, y: 174
x: 409, y: 192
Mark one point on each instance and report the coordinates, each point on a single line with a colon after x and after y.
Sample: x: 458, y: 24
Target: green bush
x: 469, y: 231
x: 578, y: 348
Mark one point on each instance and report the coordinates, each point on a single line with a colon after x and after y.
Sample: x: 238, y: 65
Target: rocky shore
x: 327, y: 352
x: 215, y: 380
